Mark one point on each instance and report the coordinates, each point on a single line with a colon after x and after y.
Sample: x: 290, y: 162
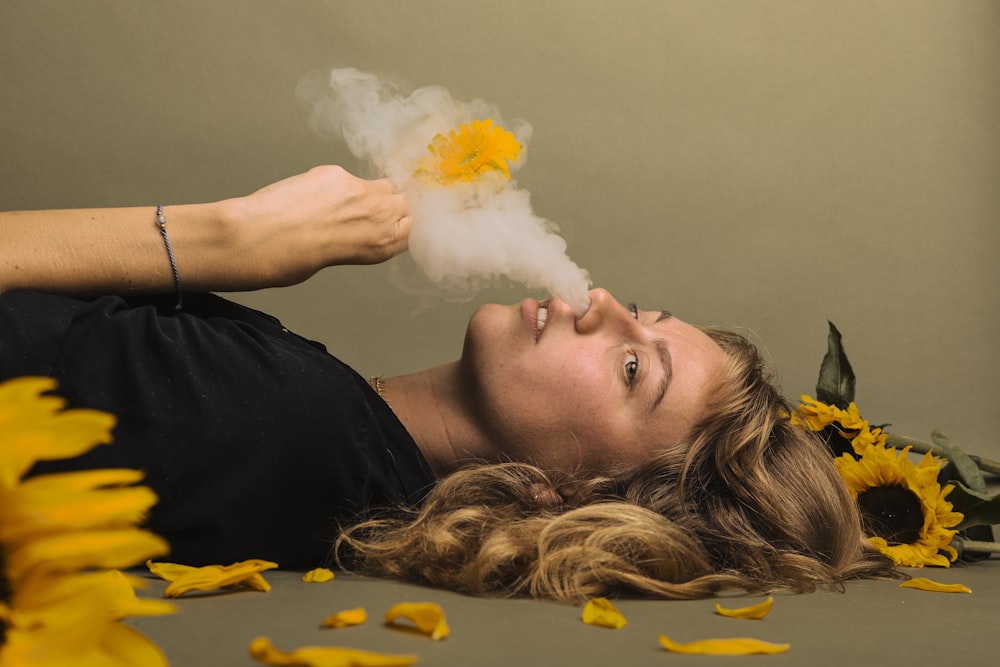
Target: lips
x: 535, y: 315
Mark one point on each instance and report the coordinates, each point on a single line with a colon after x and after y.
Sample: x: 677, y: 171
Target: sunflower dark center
x: 892, y: 513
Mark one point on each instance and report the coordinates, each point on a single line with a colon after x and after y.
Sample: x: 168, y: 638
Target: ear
x: 545, y: 495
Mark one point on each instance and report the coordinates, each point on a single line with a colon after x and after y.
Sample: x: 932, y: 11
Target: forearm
x: 91, y: 251
x: 279, y: 235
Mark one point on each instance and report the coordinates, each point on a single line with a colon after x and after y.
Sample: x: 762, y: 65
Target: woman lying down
x: 621, y: 452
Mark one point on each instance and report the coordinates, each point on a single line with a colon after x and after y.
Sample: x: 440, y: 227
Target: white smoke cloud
x: 463, y: 236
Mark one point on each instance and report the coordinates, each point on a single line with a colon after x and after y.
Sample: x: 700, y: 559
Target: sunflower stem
x: 983, y: 547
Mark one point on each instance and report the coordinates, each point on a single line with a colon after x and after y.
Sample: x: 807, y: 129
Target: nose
x: 604, y: 311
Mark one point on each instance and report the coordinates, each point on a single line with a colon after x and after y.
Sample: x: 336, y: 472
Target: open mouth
x: 543, y: 314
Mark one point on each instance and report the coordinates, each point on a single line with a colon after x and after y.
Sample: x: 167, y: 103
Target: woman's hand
x: 323, y: 217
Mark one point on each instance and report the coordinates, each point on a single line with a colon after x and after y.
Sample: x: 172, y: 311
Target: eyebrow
x: 666, y: 362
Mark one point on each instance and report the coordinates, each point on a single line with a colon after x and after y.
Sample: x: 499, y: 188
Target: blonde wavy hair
x: 749, y: 501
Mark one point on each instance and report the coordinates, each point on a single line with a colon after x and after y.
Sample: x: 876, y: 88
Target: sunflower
x: 902, y: 505
x: 843, y: 430
x: 469, y: 153
x: 62, y: 538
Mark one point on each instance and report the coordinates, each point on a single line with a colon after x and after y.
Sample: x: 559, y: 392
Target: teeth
x: 543, y: 314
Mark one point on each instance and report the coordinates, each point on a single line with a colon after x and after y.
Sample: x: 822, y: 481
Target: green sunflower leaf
x: 836, y: 377
x: 977, y: 508
x: 966, y: 469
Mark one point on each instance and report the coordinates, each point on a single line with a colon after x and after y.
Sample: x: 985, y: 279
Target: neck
x: 435, y: 407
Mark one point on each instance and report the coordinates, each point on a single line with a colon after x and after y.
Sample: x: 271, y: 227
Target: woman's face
x: 593, y: 393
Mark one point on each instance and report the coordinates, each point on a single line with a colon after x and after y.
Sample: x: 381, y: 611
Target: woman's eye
x: 631, y: 369
x: 633, y: 309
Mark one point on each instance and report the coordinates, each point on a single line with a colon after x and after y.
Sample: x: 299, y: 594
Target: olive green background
x: 761, y: 165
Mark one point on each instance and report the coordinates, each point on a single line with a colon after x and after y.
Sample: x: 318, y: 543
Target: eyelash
x: 633, y: 361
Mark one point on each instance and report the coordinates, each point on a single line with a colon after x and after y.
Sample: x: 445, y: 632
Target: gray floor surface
x: 870, y: 623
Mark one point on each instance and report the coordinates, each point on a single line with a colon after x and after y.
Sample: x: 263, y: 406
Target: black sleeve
x: 257, y: 441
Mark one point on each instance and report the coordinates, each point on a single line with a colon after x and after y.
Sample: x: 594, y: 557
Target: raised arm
x: 279, y: 235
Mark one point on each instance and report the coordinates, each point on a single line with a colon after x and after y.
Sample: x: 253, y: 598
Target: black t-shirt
x: 257, y: 441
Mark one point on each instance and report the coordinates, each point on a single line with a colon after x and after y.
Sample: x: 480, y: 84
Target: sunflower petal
x: 600, y: 612
x: 168, y: 571
x: 37, y: 428
x: 318, y: 575
x: 428, y: 617
x: 346, y: 618
x: 213, y: 577
x: 925, y: 584
x: 754, y: 611
x: 263, y: 651
x: 73, y: 501
x: 734, y: 646
x: 67, y: 552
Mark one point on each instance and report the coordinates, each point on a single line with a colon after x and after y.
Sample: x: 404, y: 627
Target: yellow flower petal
x: 37, y: 428
x: 184, y: 579
x: 87, y: 500
x: 428, y: 617
x: 754, y: 611
x: 925, y: 584
x: 735, y: 646
x: 600, y: 612
x: 168, y: 571
x: 263, y: 651
x: 318, y: 575
x: 107, y: 645
x: 69, y: 552
x: 346, y: 618
x: 123, y: 645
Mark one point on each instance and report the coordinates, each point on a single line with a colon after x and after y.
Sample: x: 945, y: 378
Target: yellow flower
x: 428, y: 617
x: 346, y: 618
x: 59, y: 534
x: 186, y: 578
x: 903, y: 505
x: 318, y: 575
x: 843, y: 430
x: 734, y: 646
x: 925, y: 584
x: 475, y: 149
x: 263, y: 651
x: 754, y: 611
x: 600, y: 612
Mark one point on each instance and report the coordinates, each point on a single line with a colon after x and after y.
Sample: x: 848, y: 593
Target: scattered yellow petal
x: 318, y: 576
x: 168, y: 571
x: 925, y: 584
x: 346, y: 618
x: 428, y: 617
x: 184, y: 578
x: 735, y: 646
x: 755, y: 611
x: 263, y: 651
x: 601, y: 612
